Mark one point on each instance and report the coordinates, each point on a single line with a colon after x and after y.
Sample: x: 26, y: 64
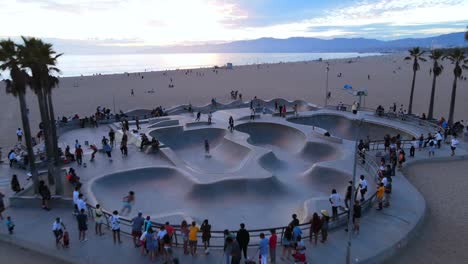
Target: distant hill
x: 301, y: 44
x: 262, y: 45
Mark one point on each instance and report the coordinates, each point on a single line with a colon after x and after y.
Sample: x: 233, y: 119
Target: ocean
x: 76, y: 65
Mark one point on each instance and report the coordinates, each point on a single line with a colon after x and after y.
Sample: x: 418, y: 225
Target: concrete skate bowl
x: 342, y: 127
x: 312, y: 152
x: 273, y: 135
x: 226, y: 155
x: 301, y: 105
x: 156, y: 189
x: 323, y: 179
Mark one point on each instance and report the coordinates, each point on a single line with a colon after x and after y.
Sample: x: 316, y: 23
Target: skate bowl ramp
x: 317, y: 151
x: 345, y: 128
x: 271, y: 134
x: 323, y: 179
x: 226, y: 155
x: 162, y: 184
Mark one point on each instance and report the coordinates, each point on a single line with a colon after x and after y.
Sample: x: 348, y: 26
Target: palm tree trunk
x: 452, y: 100
x: 410, y: 106
x: 430, y: 113
x: 29, y: 146
x: 53, y: 128
x: 46, y: 126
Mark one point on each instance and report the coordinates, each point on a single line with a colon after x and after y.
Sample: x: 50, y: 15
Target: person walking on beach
x: 231, y: 124
x: 114, y: 220
x: 315, y: 226
x: 205, y: 228
x: 263, y: 249
x: 112, y: 137
x: 19, y: 134
x: 335, y: 201
x: 137, y: 225
x: 193, y: 231
x: 272, y: 241
x: 45, y: 195
x: 98, y: 219
x: 243, y: 238
x: 453, y: 144
x: 362, y: 187
x: 79, y: 155
x: 82, y: 220
x: 128, y: 202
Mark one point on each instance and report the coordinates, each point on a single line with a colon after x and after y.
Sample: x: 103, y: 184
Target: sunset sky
x: 163, y: 22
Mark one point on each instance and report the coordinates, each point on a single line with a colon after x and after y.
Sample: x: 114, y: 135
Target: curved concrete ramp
x: 323, y: 179
x: 345, y: 128
x: 244, y: 189
x: 317, y: 151
x: 271, y: 163
x: 271, y: 134
x: 226, y: 155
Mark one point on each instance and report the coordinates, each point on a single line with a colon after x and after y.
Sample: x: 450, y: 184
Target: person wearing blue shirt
x: 263, y: 249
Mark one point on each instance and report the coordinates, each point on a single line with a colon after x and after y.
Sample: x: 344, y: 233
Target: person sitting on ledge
x: 155, y: 144
x: 144, y: 141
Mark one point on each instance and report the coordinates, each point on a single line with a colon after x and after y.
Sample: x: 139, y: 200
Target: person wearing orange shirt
x: 380, y: 195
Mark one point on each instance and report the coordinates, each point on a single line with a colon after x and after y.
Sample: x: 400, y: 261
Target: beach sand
x: 299, y: 80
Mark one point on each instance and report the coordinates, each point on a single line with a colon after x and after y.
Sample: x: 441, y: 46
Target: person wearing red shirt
x: 272, y: 244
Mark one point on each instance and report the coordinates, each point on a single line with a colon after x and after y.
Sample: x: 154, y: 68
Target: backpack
x: 431, y: 143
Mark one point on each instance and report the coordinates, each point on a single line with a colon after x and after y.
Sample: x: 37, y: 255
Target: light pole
x: 326, y: 85
x: 353, y: 195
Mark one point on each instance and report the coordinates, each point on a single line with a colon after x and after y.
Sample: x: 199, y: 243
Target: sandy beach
x: 390, y: 81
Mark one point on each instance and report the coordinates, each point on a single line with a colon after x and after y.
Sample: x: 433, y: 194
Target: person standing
x: 414, y: 145
x: 10, y: 225
x: 137, y: 225
x: 380, y: 195
x: 112, y: 137
x: 234, y: 251
x: 263, y: 249
x: 335, y: 201
x: 315, y: 226
x: 123, y: 144
x: 273, y: 240
x: 356, y: 216
x: 151, y: 243
x: 209, y: 118
x: 114, y: 220
x: 324, y: 227
x: 15, y: 185
x: 98, y: 219
x: 243, y: 238
x: 207, y: 147
x: 2, y: 205
x: 108, y: 149
x: 228, y: 246
x: 453, y: 144
x: 349, y: 190
x: 185, y: 234
x: 205, y: 228
x: 19, y: 134
x: 198, y: 116
x: 79, y: 155
x: 137, y: 123
x: 45, y: 194
x: 362, y: 187
x: 76, y: 194
x: 294, y: 221
x: 287, y: 241
x: 231, y: 124
x: 57, y: 229
x: 193, y: 231
x: 387, y: 181
x: 81, y: 204
x: 82, y: 220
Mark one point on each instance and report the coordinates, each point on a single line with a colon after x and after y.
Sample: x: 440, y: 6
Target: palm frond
x: 422, y: 59
x: 408, y: 58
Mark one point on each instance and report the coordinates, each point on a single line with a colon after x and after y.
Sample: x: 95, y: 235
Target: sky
x: 169, y: 22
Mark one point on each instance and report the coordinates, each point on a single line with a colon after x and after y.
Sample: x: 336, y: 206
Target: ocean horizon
x: 77, y: 65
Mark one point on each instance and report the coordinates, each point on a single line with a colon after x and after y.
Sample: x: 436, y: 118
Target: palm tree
x: 457, y: 57
x: 437, y: 68
x: 10, y: 60
x: 416, y: 56
x: 40, y: 59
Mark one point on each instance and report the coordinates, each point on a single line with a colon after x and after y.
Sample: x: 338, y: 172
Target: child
x: 66, y: 239
x: 10, y: 225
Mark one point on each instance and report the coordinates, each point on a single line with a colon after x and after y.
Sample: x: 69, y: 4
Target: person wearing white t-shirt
x: 114, y: 220
x: 439, y: 138
x: 453, y: 144
x: 335, y: 200
x: 81, y: 204
x: 362, y: 187
x: 19, y: 134
x: 160, y: 237
x: 76, y: 193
